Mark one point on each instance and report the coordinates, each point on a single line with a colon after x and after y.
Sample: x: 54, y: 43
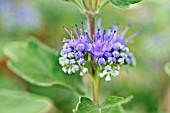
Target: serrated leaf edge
x: 126, y: 100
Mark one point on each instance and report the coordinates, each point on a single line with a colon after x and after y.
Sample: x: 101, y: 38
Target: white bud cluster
x: 108, y: 72
x: 70, y: 64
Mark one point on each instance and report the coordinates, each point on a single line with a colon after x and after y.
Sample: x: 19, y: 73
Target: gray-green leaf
x: 124, y: 3
x: 110, y: 105
x: 22, y: 102
x: 167, y: 68
x: 38, y: 64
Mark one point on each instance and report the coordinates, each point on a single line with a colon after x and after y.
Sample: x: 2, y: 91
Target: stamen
x: 97, y: 34
x: 115, y: 33
x: 67, y: 31
x: 132, y: 36
x: 98, y: 30
x: 72, y: 37
x: 104, y: 32
x: 76, y: 32
x: 87, y: 35
x: 82, y: 27
x: 70, y: 33
x: 99, y: 23
x: 124, y: 32
x: 114, y: 25
x: 113, y: 36
x: 66, y: 40
x: 77, y: 29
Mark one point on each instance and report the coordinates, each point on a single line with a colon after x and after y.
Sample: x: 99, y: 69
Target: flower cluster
x: 74, y: 52
x: 107, y: 49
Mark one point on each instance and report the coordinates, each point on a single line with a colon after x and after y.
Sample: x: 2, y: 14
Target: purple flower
x: 78, y: 55
x: 108, y: 50
x: 107, y: 54
x: 80, y: 47
x: 81, y: 61
x: 115, y: 54
x: 101, y: 61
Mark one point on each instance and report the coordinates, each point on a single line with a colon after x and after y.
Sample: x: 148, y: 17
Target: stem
x: 91, y: 21
x: 84, y: 4
x: 90, y: 4
x: 95, y: 88
x: 78, y: 5
x: 101, y: 6
x: 91, y: 15
x: 95, y: 4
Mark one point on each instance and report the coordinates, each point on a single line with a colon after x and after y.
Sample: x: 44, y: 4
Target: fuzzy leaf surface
x: 111, y: 105
x: 22, y: 102
x: 37, y: 64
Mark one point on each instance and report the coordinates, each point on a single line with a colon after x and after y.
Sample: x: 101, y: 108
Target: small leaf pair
x: 110, y: 105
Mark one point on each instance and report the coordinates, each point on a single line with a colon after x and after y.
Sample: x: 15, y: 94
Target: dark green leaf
x: 167, y: 68
x: 38, y: 64
x: 21, y: 102
x: 124, y: 3
x: 110, y: 105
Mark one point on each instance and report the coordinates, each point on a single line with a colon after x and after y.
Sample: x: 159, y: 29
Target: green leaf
x: 8, y: 83
x: 167, y: 68
x: 3, y: 41
x: 124, y: 3
x: 38, y: 64
x: 110, y: 105
x: 65, y: 100
x: 21, y: 102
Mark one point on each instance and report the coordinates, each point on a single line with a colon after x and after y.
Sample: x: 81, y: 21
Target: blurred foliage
x: 14, y: 98
x: 64, y: 99
x: 167, y: 68
x: 147, y: 82
x: 7, y: 82
x: 16, y: 101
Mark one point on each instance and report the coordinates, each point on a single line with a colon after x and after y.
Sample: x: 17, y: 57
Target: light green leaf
x: 124, y: 3
x: 38, y: 64
x: 65, y: 100
x: 21, y: 102
x: 167, y: 68
x: 110, y: 105
x: 3, y: 41
x: 8, y: 83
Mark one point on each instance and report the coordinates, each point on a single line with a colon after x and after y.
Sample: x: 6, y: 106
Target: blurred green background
x: 43, y: 19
